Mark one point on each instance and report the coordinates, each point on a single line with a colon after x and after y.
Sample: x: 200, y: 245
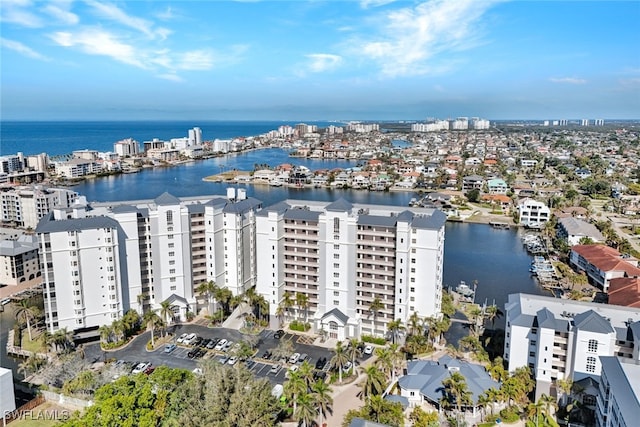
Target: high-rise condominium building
x: 101, y: 262
x: 23, y: 206
x: 349, y: 269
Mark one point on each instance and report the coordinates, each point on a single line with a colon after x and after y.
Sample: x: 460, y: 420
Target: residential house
x: 574, y: 229
x: 602, y: 263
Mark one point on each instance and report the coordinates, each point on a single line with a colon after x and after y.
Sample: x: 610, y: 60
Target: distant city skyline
x: 333, y: 60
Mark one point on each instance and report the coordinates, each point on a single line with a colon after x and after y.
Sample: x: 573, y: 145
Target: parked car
x: 182, y: 337
x: 192, y: 353
x: 249, y: 363
x: 279, y: 334
x: 197, y: 341
x: 275, y: 369
x: 321, y: 363
x: 346, y: 366
x: 227, y: 346
x: 205, y: 342
x: 291, y: 370
x: 319, y: 375
x: 169, y: 348
x: 220, y: 344
x: 140, y: 367
x: 368, y: 349
x: 267, y: 355
x: 302, y: 358
x: 212, y: 343
x: 224, y: 359
x: 294, y: 358
x: 233, y: 360
x: 149, y: 370
x: 189, y: 339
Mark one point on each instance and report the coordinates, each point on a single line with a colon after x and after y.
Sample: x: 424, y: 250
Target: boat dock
x: 499, y: 225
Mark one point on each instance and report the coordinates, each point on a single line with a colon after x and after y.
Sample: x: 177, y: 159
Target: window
x: 591, y: 364
x: 169, y: 236
x: 172, y: 254
x: 172, y: 279
x: 532, y: 354
x: 336, y: 247
x: 534, y: 331
x: 336, y: 283
x: 336, y: 275
x: 412, y: 289
x: 533, y: 343
x: 593, y: 346
x: 171, y: 245
x: 172, y: 262
x: 336, y: 225
x: 336, y: 265
x: 169, y: 217
x: 173, y: 288
x: 413, y: 260
x: 172, y: 271
x: 336, y: 256
x: 336, y: 302
x: 336, y: 293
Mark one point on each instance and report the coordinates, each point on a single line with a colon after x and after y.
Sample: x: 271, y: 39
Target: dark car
x: 319, y: 375
x: 279, y: 334
x: 205, y: 342
x: 149, y: 370
x: 192, y: 353
x: 266, y: 355
x: 197, y: 341
x: 212, y: 343
x: 249, y: 363
x: 320, y: 364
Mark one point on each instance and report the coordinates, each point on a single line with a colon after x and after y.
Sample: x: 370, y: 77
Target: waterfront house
x: 574, y: 229
x: 423, y: 381
x: 472, y: 182
x: 497, y: 186
x: 533, y: 214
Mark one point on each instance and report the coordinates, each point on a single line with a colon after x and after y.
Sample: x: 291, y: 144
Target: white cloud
x: 22, y: 49
x: 365, y: 4
x: 13, y: 12
x: 96, y: 41
x: 320, y: 62
x: 195, y: 60
x: 63, y: 15
x: 568, y: 80
x: 114, y: 13
x: 171, y: 77
x: 412, y: 39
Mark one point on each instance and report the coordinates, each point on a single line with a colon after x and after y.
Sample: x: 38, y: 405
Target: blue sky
x: 319, y: 60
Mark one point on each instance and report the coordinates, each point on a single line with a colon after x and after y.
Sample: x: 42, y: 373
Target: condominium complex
x: 618, y: 400
x: 19, y: 260
x: 24, y: 206
x: 559, y: 338
x: 103, y: 260
x: 342, y: 257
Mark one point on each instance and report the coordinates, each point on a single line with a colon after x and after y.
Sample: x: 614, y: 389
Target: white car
x: 182, y: 337
x: 291, y: 370
x: 294, y: 358
x: 233, y: 360
x: 368, y: 349
x: 220, y: 345
x: 189, y: 339
x: 140, y: 367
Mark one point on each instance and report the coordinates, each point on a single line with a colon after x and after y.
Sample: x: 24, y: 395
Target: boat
x: 275, y: 183
x: 464, y: 289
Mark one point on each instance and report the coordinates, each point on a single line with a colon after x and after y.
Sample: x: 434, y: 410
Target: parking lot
x: 179, y: 357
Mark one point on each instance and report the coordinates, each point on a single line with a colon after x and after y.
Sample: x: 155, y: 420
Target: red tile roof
x: 606, y: 258
x: 625, y: 291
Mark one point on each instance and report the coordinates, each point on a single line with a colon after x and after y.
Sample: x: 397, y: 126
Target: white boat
x: 464, y: 290
x: 275, y: 183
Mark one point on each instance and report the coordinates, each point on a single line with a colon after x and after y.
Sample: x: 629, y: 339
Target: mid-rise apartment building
x: 559, y: 338
x: 602, y: 264
x: 19, y: 260
x: 144, y: 252
x: 24, y: 206
x: 342, y: 257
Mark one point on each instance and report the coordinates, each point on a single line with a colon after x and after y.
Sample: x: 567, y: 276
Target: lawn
x: 46, y: 415
x: 33, y: 346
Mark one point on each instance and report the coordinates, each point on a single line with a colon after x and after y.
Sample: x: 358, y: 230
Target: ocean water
x: 61, y: 137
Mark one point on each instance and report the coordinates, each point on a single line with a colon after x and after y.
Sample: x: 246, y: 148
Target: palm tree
x: 47, y: 340
x: 491, y: 313
x: 208, y: 290
x: 30, y: 364
x: 306, y: 409
x: 394, y: 327
x: 456, y: 387
x: 63, y: 339
x: 374, y: 384
x: 384, y: 361
x: 533, y: 411
x: 339, y: 359
x: 322, y: 396
x: 302, y: 300
x: 294, y: 387
x: 80, y: 351
x: 306, y: 372
x: 374, y: 308
x: 224, y: 295
x: 353, y: 351
x: 415, y: 324
x: 166, y: 312
x: 287, y: 303
x: 548, y: 402
x: 118, y: 329
x: 280, y: 311
x: 151, y: 320
x: 141, y: 299
x: 105, y: 333
x: 25, y: 313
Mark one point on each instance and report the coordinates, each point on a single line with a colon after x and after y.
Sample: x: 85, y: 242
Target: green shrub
x: 510, y: 415
x: 374, y: 340
x: 299, y: 326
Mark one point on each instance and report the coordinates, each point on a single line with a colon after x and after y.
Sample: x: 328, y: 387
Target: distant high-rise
x: 598, y: 122
x: 584, y: 122
x: 195, y: 136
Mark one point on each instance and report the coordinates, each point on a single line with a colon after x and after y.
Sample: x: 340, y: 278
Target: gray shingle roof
x: 166, y: 199
x: 338, y: 314
x: 48, y: 225
x: 376, y: 220
x: 242, y: 206
x: 124, y: 209
x: 435, y: 221
x: 340, y: 205
x: 23, y: 245
x: 302, y: 214
x: 578, y: 227
x: 593, y: 322
x: 546, y: 319
x: 624, y: 380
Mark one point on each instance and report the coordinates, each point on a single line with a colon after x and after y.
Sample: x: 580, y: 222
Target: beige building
x: 19, y: 260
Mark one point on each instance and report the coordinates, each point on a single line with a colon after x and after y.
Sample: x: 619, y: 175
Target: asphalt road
x: 136, y: 351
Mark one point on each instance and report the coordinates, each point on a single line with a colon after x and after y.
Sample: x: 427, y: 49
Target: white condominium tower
x: 103, y: 261
x: 343, y: 257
